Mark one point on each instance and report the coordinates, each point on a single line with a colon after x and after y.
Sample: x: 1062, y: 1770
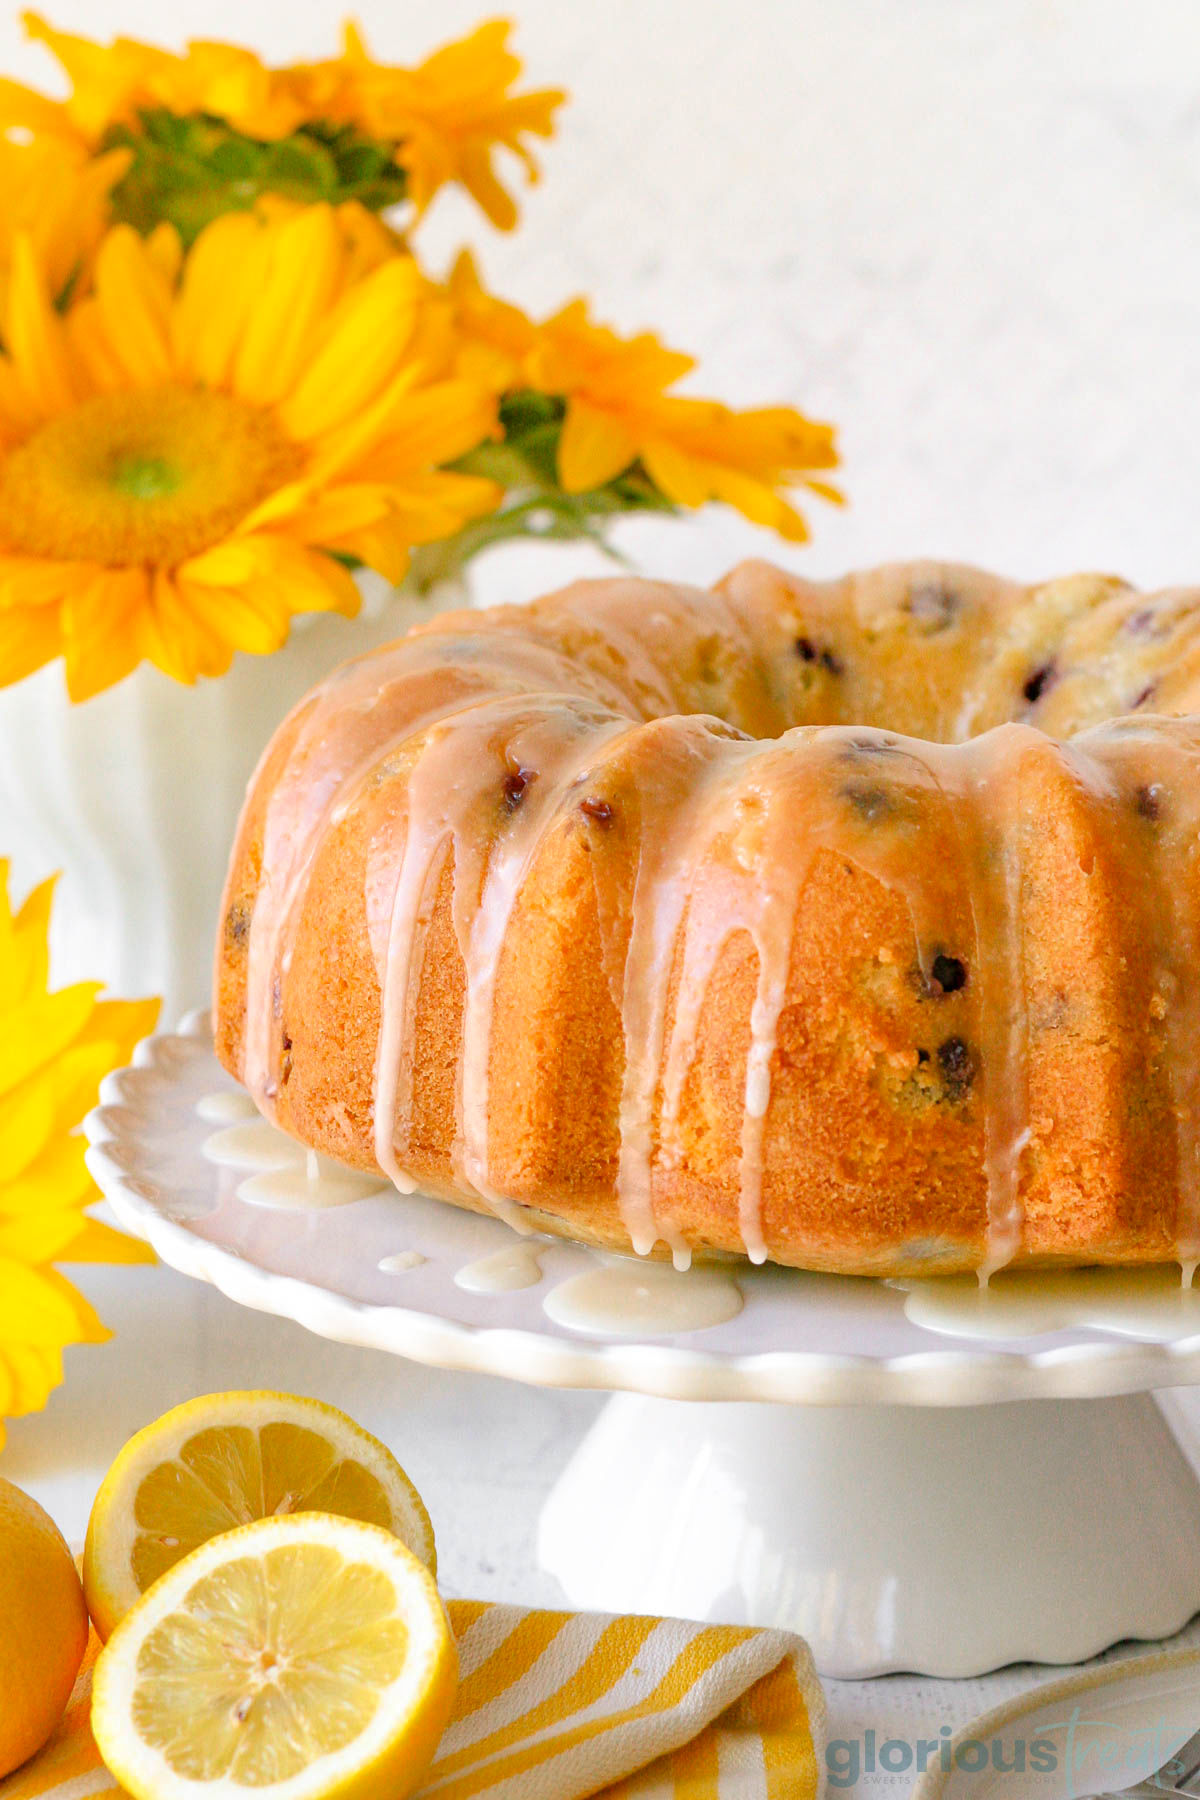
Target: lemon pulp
x: 276, y: 1661
x: 230, y: 1474
x: 306, y: 1655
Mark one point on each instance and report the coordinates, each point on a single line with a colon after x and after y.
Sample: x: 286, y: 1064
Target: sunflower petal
x: 252, y: 617
x: 121, y: 1024
x: 311, y: 583
x: 28, y: 1376
x: 41, y: 1309
x: 324, y: 518
x: 177, y: 639
x: 594, y: 448
x: 365, y: 344
x: 38, y: 1238
x: 408, y: 429
x: 56, y: 1179
x: 30, y: 637
x: 430, y: 427
x: 36, y: 1032
x: 74, y: 1080
x: 384, y: 548
x: 681, y: 477
x: 134, y: 300
x: 438, y: 504
x: 99, y: 1243
x: 26, y: 1122
x: 36, y: 341
x: 222, y: 278
x: 36, y: 581
x: 26, y: 950
x: 102, y: 630
x: 279, y: 339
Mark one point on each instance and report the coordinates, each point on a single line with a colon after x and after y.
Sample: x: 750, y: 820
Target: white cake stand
x: 848, y: 1473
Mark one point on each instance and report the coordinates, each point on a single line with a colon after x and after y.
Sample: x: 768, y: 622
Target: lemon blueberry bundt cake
x: 853, y: 924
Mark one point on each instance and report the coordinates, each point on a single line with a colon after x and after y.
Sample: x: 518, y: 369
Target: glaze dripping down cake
x: 854, y: 925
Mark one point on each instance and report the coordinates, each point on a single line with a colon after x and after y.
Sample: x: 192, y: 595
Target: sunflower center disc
x: 148, y: 475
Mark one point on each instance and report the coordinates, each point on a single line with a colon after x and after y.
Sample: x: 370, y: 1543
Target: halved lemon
x: 223, y: 1461
x: 302, y: 1658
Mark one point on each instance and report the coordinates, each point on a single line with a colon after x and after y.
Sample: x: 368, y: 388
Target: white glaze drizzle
x: 1153, y: 766
x: 456, y: 814
x: 747, y: 898
x: 558, y: 753
x: 667, y: 859
x: 988, y: 769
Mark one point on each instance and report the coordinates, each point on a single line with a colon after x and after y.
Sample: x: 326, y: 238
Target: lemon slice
x: 223, y: 1461
x: 303, y: 1658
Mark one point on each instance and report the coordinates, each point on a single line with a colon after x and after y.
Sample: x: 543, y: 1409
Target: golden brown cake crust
x: 692, y: 919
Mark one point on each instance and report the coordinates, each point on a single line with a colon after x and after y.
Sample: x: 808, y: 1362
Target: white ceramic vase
x: 134, y: 796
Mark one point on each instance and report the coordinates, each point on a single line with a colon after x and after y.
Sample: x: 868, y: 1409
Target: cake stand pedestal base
x: 945, y: 1541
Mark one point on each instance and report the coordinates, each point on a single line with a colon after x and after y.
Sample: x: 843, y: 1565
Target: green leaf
x: 236, y: 160
x: 190, y: 170
x: 299, y: 165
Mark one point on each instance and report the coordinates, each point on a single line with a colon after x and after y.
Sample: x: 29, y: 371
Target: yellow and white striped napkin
x: 558, y: 1706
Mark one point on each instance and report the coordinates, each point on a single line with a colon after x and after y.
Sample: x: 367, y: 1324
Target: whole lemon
x: 43, y: 1626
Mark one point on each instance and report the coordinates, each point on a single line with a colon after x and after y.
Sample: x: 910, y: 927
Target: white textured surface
x: 967, y: 230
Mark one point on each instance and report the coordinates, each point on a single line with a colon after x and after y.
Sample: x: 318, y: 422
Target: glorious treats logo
x: 1069, y: 1756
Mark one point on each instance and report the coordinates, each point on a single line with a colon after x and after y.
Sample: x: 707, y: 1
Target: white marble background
x: 966, y: 230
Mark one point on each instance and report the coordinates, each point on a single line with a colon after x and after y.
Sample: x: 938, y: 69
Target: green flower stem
x: 525, y: 463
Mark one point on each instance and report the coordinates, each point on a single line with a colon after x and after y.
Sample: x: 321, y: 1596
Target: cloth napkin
x: 558, y: 1706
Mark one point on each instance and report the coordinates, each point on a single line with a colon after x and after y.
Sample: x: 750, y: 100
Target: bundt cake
x: 854, y: 925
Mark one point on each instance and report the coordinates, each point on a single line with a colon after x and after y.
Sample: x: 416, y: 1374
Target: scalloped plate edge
x: 933, y: 1378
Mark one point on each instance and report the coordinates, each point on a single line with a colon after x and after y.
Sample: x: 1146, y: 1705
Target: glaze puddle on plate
x: 503, y: 1271
x: 1151, y: 1304
x: 285, y: 1177
x: 624, y: 1298
x: 313, y: 1184
x: 253, y: 1144
x: 400, y: 1262
x: 225, y: 1107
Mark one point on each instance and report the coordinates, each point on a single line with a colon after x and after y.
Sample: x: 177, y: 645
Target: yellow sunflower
x: 54, y: 1050
x: 111, y: 83
x: 55, y: 194
x: 190, y: 452
x: 442, y: 121
x: 367, y: 240
x: 618, y: 411
x: 449, y: 115
x: 494, y: 338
